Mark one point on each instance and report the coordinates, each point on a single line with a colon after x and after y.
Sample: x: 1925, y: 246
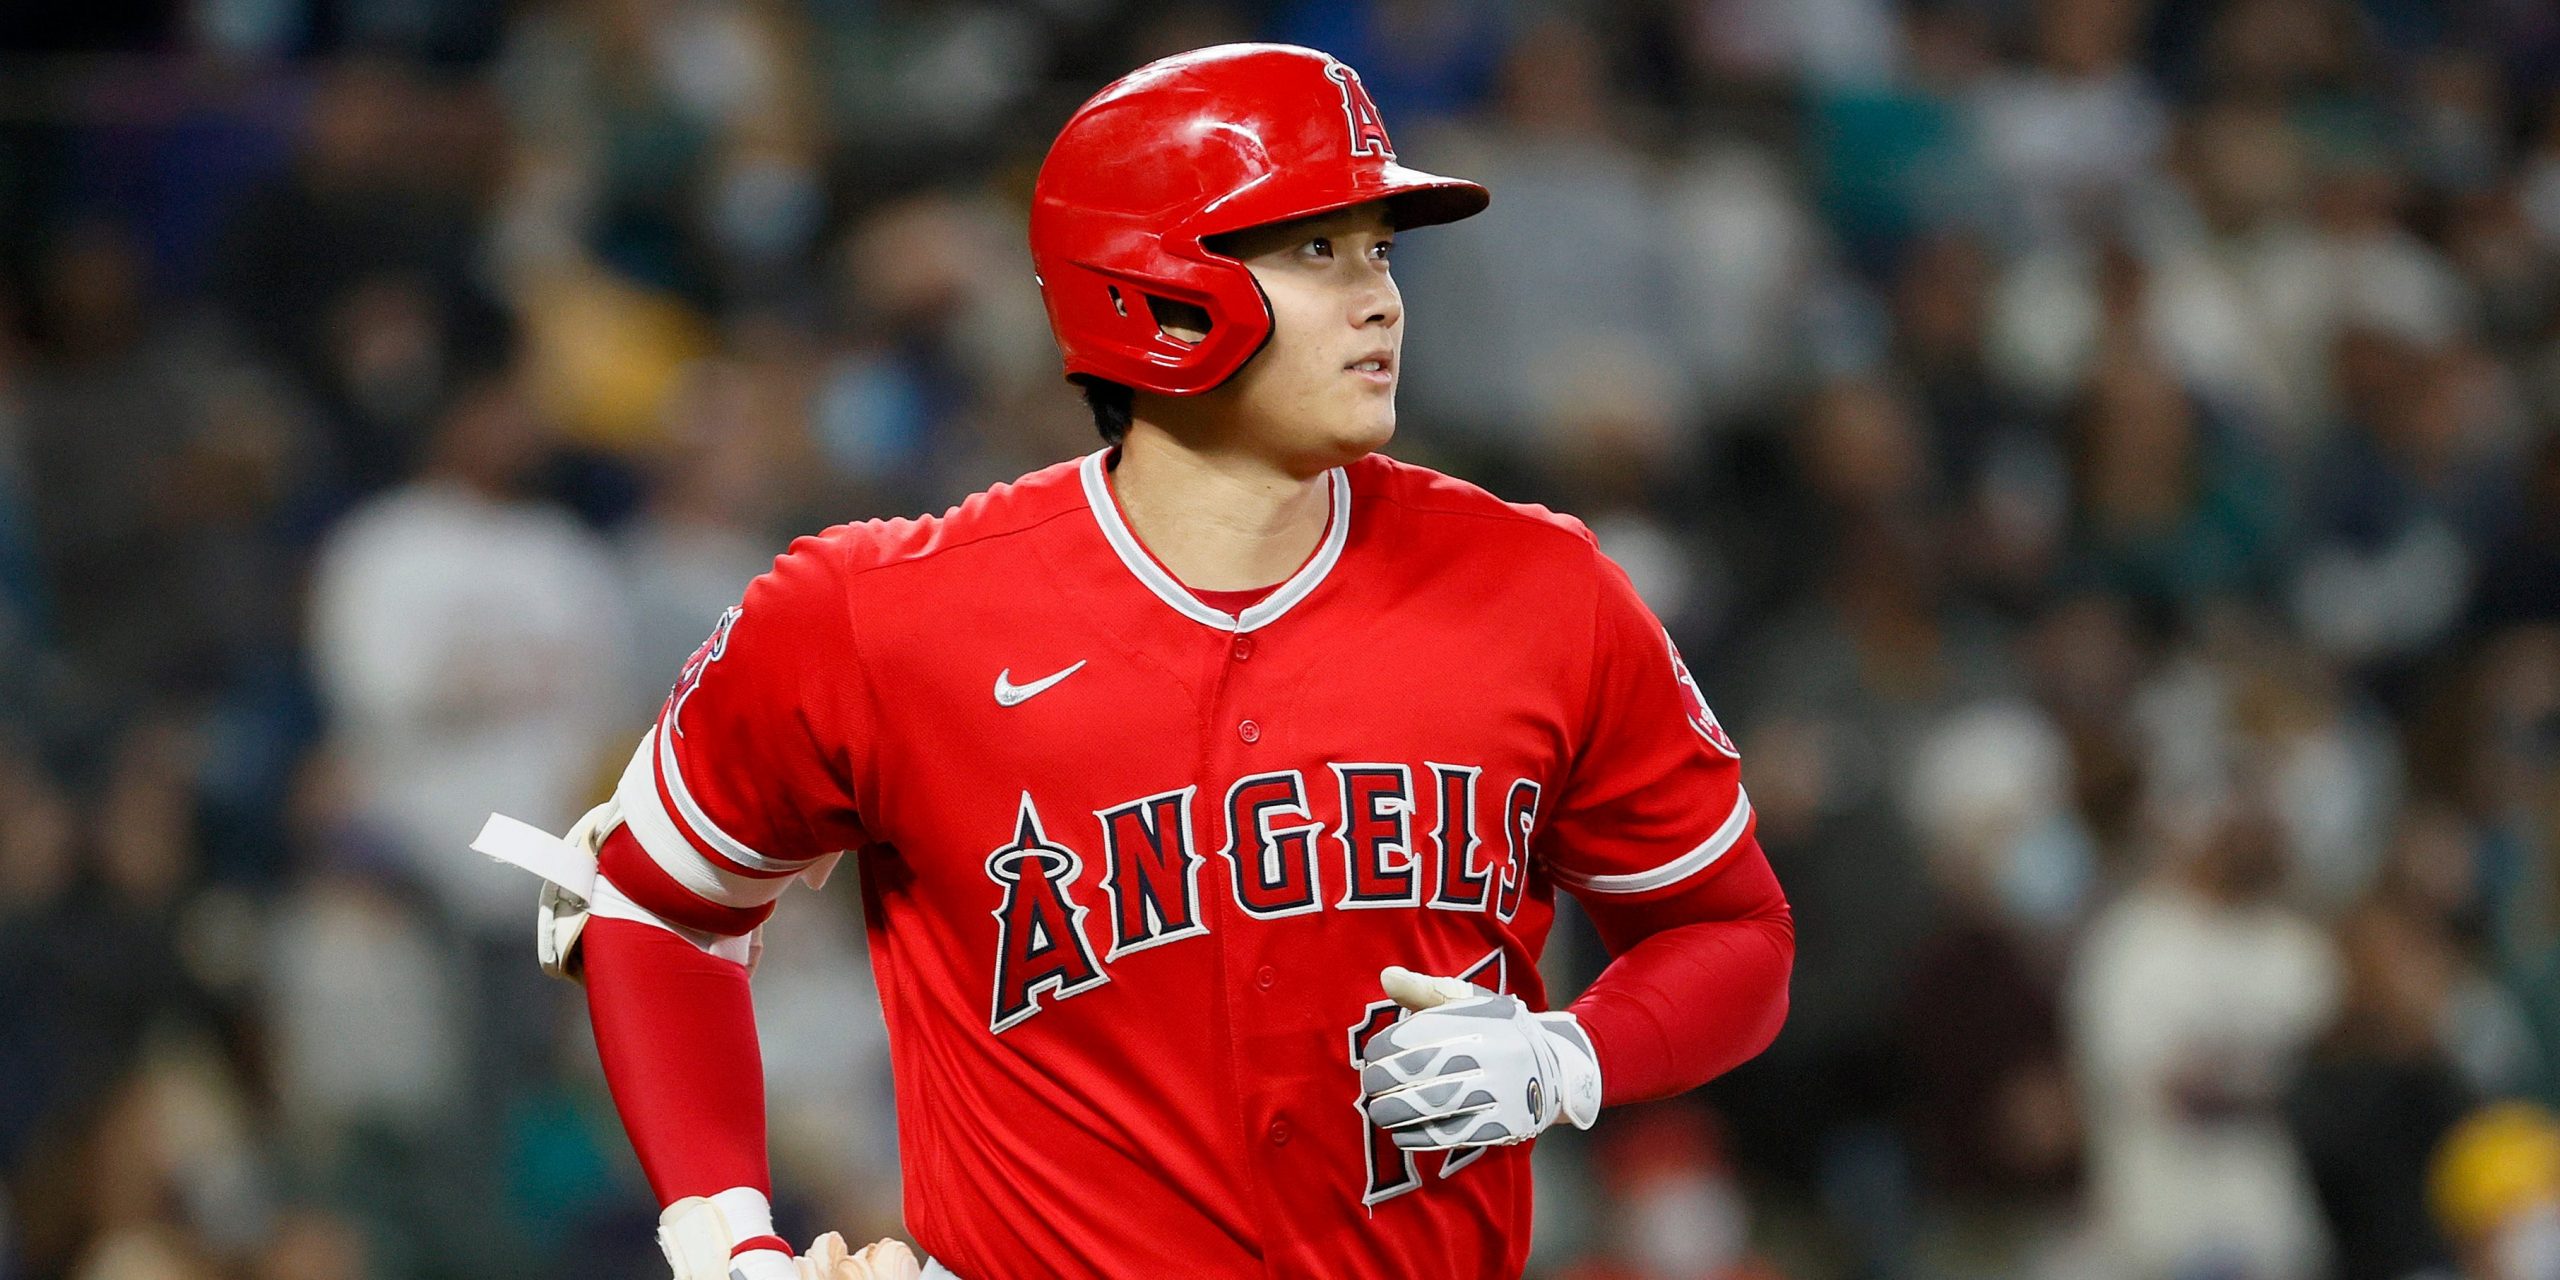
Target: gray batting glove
x: 1469, y: 1068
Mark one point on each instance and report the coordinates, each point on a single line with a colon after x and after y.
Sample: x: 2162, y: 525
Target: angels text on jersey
x: 1359, y: 836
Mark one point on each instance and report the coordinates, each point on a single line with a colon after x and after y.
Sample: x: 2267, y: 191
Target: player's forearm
x: 1699, y: 985
x: 1685, y: 1006
x: 676, y: 1029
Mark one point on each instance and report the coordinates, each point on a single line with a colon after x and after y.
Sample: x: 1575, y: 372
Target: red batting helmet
x: 1193, y: 146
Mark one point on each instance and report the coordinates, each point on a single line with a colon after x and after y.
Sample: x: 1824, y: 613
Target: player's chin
x: 1365, y: 428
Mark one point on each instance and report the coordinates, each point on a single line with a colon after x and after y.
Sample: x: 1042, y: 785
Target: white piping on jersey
x: 727, y: 846
x: 1676, y: 870
x: 662, y: 838
x: 1097, y: 495
x: 646, y: 817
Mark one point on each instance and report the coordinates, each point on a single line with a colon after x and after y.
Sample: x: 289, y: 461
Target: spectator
x: 2174, y: 510
x: 109, y: 414
x: 2520, y: 576
x: 2191, y: 1001
x: 349, y: 269
x: 1580, y: 247
x: 2380, y: 1093
x: 686, y: 553
x: 1675, y: 1213
x: 468, y: 638
x: 2078, y: 129
x: 1989, y: 1104
x: 2403, y: 505
x: 38, y: 1024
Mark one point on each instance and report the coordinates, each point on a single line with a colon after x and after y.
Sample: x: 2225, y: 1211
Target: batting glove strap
x: 1577, y: 1067
x: 1478, y: 1071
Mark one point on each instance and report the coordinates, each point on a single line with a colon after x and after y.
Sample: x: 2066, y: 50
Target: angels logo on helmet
x: 1368, y: 131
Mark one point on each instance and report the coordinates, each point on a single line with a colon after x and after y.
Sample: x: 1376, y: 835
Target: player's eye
x: 1321, y: 247
x: 1382, y: 250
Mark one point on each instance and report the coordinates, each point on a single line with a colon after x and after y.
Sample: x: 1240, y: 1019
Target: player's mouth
x: 1377, y: 367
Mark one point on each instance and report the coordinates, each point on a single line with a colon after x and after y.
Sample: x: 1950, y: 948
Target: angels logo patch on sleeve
x: 701, y: 661
x: 1701, y: 717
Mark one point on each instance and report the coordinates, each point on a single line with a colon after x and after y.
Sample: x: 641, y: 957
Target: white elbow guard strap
x: 568, y: 871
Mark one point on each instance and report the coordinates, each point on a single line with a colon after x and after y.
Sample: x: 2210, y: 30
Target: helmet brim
x: 1414, y: 199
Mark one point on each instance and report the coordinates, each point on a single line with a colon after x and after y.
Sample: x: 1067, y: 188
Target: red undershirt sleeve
x: 743, y: 786
x: 1699, y: 982
x: 676, y: 1029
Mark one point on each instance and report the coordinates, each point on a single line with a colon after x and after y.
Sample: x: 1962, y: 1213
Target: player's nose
x: 1377, y: 303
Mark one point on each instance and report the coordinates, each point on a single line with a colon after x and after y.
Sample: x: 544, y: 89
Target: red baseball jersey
x: 1132, y: 864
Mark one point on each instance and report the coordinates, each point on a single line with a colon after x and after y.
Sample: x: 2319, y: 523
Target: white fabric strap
x: 522, y: 844
x: 936, y: 1271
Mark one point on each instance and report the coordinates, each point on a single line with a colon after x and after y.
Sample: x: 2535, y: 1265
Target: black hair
x: 1112, y: 403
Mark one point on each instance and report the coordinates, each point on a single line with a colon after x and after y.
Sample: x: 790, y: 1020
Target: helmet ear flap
x: 1225, y: 293
x: 1127, y: 321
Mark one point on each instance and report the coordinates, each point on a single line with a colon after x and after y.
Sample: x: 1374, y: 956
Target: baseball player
x: 1210, y: 792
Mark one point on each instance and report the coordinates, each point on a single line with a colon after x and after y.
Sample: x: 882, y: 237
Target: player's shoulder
x: 1409, y: 493
x: 1017, y: 506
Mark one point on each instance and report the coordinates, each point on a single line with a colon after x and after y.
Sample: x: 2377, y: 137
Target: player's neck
x: 1219, y: 520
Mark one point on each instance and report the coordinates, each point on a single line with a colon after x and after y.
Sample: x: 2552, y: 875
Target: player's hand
x: 1468, y: 1068
x: 878, y: 1260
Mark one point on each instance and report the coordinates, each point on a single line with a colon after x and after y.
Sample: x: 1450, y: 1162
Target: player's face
x: 1322, y: 392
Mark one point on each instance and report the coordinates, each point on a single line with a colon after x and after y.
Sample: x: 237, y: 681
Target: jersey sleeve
x: 1653, y: 797
x: 746, y: 780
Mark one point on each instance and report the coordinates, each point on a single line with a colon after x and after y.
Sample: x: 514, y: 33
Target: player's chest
x: 1339, y: 755
x: 1093, y: 799
x: 1089, y: 718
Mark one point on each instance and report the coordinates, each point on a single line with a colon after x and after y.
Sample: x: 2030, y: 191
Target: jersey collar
x: 1143, y: 566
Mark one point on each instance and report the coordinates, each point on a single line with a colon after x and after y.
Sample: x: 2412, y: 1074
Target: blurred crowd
x: 2102, y: 457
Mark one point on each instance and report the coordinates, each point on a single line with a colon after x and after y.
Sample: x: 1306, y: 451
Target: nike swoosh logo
x: 1009, y: 694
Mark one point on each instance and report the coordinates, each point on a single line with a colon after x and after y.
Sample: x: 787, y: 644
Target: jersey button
x: 1249, y: 731
x: 1243, y: 648
x: 1279, y: 1131
x: 1265, y: 976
